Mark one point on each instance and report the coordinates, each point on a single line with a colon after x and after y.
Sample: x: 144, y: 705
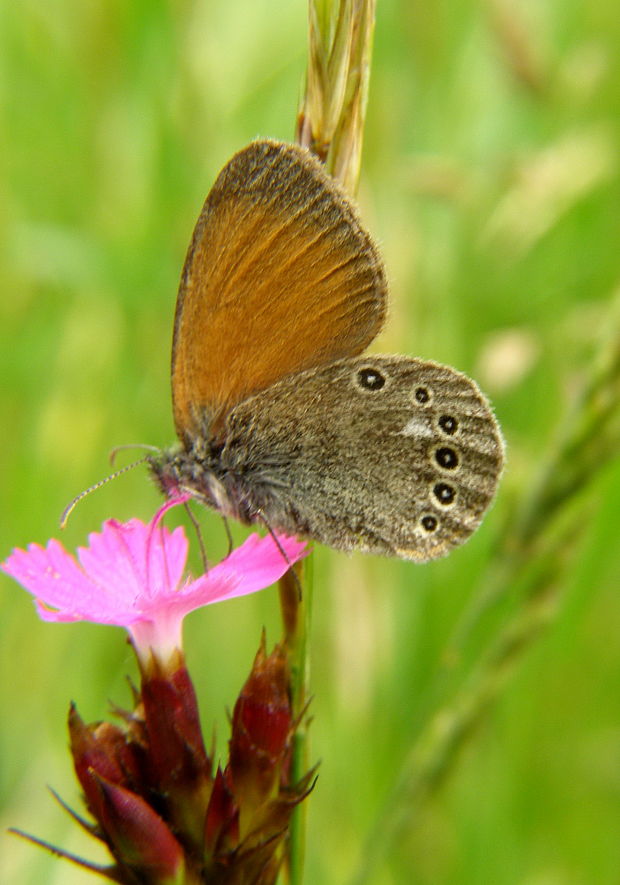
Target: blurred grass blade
x: 588, y: 443
x: 435, y: 753
x: 536, y: 550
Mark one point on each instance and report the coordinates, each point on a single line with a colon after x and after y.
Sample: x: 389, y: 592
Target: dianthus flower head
x: 167, y: 813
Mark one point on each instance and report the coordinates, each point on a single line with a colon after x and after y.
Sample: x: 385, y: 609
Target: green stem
x: 296, y: 607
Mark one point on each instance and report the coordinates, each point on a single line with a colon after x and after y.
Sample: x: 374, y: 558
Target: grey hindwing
x: 387, y: 455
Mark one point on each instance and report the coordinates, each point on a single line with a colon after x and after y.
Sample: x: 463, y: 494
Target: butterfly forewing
x: 280, y: 277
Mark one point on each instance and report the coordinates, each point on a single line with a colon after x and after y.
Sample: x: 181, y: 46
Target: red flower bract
x: 158, y: 805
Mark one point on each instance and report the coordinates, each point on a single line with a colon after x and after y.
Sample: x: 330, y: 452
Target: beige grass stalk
x: 330, y: 122
x: 332, y: 113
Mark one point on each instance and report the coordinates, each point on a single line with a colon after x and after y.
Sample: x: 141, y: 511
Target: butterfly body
x: 281, y: 420
x: 337, y: 453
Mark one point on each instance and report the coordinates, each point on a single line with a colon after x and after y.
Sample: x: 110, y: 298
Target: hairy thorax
x: 199, y: 471
x: 227, y: 477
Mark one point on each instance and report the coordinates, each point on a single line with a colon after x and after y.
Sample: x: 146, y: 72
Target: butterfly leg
x: 195, y: 523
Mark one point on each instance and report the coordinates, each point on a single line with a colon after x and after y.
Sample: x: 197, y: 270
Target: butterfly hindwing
x: 387, y: 455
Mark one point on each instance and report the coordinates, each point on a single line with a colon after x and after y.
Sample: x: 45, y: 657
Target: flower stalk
x: 296, y: 622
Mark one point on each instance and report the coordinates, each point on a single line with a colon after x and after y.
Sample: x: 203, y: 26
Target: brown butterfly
x: 280, y: 420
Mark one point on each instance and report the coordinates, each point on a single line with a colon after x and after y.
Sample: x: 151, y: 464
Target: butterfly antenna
x: 201, y: 543
x: 66, y: 513
x: 124, y: 448
x: 229, y: 536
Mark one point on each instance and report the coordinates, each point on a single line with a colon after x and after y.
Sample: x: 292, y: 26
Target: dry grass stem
x: 331, y: 118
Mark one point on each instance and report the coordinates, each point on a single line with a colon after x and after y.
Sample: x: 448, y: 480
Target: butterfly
x: 281, y: 418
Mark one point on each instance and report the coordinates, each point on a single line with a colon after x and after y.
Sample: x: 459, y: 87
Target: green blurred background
x: 490, y: 179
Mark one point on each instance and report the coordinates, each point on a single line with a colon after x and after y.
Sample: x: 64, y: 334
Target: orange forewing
x: 279, y: 277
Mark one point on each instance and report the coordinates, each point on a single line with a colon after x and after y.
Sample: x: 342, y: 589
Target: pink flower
x: 131, y: 575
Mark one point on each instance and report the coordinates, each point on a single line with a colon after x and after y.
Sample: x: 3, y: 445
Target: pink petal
x: 53, y: 577
x: 114, y: 581
x: 257, y: 563
x: 131, y: 575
